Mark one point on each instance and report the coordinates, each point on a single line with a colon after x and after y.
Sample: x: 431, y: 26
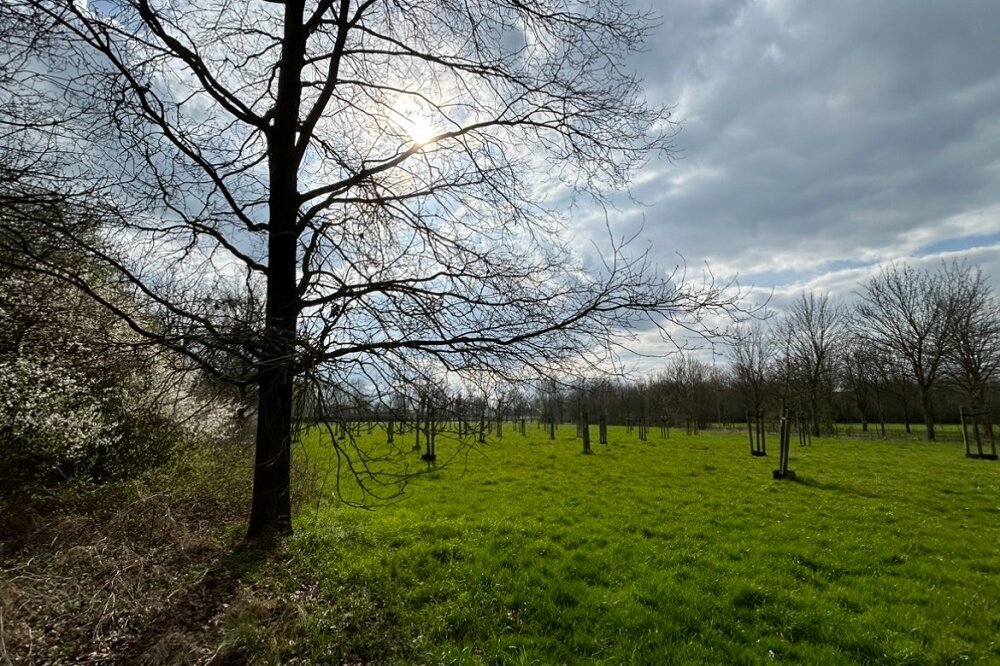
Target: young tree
x: 785, y: 371
x: 908, y: 314
x: 379, y: 170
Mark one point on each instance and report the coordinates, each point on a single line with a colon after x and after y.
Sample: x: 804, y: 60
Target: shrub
x: 81, y: 397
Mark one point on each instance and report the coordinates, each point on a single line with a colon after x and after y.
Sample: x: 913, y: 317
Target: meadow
x: 677, y: 550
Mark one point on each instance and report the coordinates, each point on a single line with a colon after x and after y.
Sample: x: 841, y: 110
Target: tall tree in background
x: 815, y: 329
x: 866, y: 372
x: 688, y: 380
x: 375, y: 170
x: 973, y: 356
x: 752, y: 349
x: 908, y: 315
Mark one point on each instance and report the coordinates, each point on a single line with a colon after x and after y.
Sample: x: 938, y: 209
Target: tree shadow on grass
x: 810, y: 482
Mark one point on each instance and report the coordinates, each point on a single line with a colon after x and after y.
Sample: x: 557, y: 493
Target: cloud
x: 820, y: 139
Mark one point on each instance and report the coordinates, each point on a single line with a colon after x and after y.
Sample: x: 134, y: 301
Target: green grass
x: 669, y: 551
x: 948, y: 432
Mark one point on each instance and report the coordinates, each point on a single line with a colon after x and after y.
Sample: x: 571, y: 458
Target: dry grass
x: 137, y: 572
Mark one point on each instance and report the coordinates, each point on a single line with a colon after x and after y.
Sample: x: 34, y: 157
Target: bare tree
x: 377, y: 170
x: 814, y: 328
x: 785, y: 370
x: 687, y: 379
x: 973, y: 354
x: 907, y: 314
x: 752, y: 354
x: 866, y: 372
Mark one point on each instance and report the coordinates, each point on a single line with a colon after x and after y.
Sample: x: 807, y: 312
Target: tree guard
x: 430, y: 456
x: 758, y: 436
x: 982, y: 428
x: 585, y: 429
x: 785, y: 435
x: 416, y: 424
x: 804, y: 428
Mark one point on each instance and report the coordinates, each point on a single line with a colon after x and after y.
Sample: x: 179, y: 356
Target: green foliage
x: 670, y: 551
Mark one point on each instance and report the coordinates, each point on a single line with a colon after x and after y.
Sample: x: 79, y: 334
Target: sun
x: 420, y: 129
x: 414, y: 120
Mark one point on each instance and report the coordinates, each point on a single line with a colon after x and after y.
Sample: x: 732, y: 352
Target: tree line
x: 914, y: 345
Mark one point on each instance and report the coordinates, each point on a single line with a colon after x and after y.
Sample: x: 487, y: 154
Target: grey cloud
x: 818, y: 132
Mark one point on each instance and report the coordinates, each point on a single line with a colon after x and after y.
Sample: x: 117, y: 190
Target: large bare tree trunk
x: 270, y: 512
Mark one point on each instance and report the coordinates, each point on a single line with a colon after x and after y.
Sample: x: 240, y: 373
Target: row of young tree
x: 911, y: 336
x: 914, y: 344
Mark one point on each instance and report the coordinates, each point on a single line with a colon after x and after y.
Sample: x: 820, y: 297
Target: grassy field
x: 668, y: 551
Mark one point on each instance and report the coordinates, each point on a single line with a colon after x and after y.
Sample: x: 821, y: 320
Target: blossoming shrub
x: 81, y: 397
x: 52, y: 419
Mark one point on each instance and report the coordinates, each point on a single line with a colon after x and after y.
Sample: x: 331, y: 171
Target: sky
x: 819, y: 139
